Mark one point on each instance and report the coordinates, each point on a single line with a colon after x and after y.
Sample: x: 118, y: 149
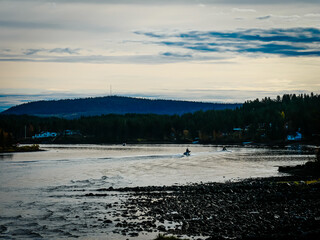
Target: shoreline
x: 306, y: 145
x: 271, y: 144
x: 258, y: 208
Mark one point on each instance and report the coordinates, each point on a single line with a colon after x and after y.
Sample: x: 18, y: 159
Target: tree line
x: 266, y: 120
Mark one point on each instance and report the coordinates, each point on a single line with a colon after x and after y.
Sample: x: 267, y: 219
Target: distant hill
x: 74, y: 108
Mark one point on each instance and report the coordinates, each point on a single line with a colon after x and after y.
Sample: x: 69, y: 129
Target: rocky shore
x: 266, y: 208
x: 310, y: 168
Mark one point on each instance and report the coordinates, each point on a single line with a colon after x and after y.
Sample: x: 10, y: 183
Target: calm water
x: 42, y: 193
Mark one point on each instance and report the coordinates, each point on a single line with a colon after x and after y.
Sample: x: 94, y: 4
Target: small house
x: 296, y: 137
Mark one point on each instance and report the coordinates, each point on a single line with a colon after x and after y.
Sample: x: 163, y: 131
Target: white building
x: 44, y: 135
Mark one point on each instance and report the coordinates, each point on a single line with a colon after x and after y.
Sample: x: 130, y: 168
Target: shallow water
x: 42, y: 194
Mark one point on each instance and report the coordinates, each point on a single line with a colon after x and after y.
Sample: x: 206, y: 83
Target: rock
x: 162, y: 228
x: 3, y: 228
x: 134, y: 234
x: 108, y: 205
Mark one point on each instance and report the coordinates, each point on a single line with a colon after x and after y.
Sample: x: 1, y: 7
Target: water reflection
x: 301, y: 149
x: 6, y: 156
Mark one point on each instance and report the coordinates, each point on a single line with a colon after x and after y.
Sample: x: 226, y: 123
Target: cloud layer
x: 189, y: 46
x: 283, y: 42
x: 154, y: 47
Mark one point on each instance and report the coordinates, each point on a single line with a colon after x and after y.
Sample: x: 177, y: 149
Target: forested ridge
x: 74, y: 108
x: 262, y: 121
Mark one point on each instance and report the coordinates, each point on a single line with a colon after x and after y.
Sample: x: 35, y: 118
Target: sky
x: 199, y: 50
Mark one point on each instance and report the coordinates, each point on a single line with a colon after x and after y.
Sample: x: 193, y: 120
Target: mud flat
x: 264, y: 208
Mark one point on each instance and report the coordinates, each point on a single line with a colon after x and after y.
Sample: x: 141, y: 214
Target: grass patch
x: 34, y: 147
x: 302, y: 182
x: 31, y: 148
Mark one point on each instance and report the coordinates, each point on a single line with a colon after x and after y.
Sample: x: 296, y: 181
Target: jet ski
x: 186, y: 153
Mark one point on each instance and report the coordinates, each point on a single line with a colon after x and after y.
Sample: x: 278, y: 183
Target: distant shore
x: 88, y: 140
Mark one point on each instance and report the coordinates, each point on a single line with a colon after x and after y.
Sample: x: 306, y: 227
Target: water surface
x: 42, y: 194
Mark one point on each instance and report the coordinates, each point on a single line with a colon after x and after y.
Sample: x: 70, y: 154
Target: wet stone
x: 162, y: 228
x: 3, y: 228
x: 134, y: 234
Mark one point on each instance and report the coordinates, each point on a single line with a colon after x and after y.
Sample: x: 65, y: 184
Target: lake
x: 43, y: 194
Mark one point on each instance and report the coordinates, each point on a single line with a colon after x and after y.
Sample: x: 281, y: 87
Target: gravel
x: 266, y: 208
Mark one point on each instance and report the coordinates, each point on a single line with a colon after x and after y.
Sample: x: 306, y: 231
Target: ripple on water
x: 25, y: 233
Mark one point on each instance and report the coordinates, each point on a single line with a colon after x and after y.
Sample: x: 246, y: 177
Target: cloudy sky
x: 203, y: 50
